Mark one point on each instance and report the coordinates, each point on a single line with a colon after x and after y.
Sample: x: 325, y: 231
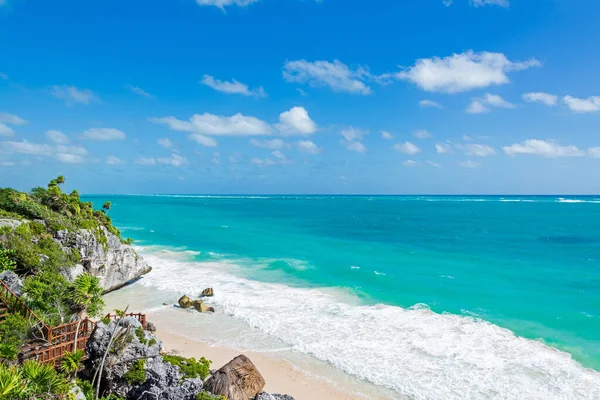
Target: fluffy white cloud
x: 216, y: 125
x: 594, y: 152
x: 296, y: 121
x: 12, y: 119
x: 422, y: 134
x: 308, y: 146
x: 104, y: 134
x: 410, y: 163
x: 470, y: 164
x: 262, y: 162
x: 407, y: 148
x: 73, y: 94
x: 481, y: 3
x: 387, y: 135
x: 543, y: 148
x: 540, y: 97
x: 233, y: 87
x: 463, y: 72
x: 274, y: 144
x: 203, y: 140
x: 429, y: 103
x: 165, y: 142
x: 175, y: 160
x: 433, y: 164
x: 478, y: 150
x: 480, y: 105
x: 336, y: 75
x: 69, y: 158
x: 443, y: 148
x: 66, y: 154
x: 224, y: 3
x: 5, y: 130
x: 352, y: 139
x: 591, y: 104
x: 114, y: 160
x: 138, y: 91
x: 57, y: 137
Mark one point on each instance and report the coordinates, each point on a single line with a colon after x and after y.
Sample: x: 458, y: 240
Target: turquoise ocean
x: 431, y: 297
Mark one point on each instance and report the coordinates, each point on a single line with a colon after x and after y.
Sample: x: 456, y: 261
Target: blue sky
x: 301, y: 96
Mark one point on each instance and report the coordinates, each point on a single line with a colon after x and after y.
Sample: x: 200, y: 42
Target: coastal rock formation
x: 13, y: 281
x: 105, y: 256
x: 134, y: 368
x: 200, y: 306
x: 208, y: 292
x: 237, y: 380
x: 185, y: 302
x: 271, y: 396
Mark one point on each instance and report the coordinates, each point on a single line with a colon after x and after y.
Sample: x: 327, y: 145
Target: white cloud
x: 165, y: 142
x: 175, y: 160
x: 480, y: 105
x: 114, y: 160
x: 282, y: 159
x: 429, y: 103
x: 308, y: 146
x: 352, y: 137
x: 69, y: 158
x: 262, y: 162
x: 12, y: 119
x: 302, y: 92
x: 387, y: 135
x: 407, y: 148
x: 543, y: 148
x: 233, y: 87
x: 73, y: 94
x: 296, y: 122
x: 478, y: 150
x: 203, y: 140
x: 470, y: 164
x: 540, y: 97
x: 274, y: 144
x: 591, y: 104
x: 410, y: 163
x: 104, y: 134
x: 138, y: 91
x: 422, y: 134
x: 216, y: 125
x: 481, y: 3
x: 433, y: 164
x: 443, y: 148
x: 447, y: 3
x: 463, y: 72
x: 224, y: 3
x: 5, y: 130
x: 594, y: 152
x: 57, y: 137
x: 336, y: 75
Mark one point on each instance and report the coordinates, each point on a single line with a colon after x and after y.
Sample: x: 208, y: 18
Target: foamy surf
x: 415, y: 352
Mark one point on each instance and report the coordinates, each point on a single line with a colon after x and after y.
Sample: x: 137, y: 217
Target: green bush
x: 139, y: 332
x: 13, y: 332
x: 7, y: 260
x: 137, y: 373
x: 209, y: 396
x: 190, y: 368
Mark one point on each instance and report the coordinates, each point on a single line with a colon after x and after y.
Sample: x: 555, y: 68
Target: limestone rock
x: 200, y: 306
x: 237, y: 380
x: 208, y: 292
x: 12, y: 223
x: 150, y: 327
x: 103, y: 255
x: 271, y: 396
x: 185, y: 302
x: 12, y: 281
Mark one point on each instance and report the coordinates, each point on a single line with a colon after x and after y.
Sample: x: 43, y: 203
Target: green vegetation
x: 71, y: 363
x: 7, y: 260
x: 190, y: 368
x: 137, y: 373
x: 152, y: 342
x: 32, y: 380
x: 139, y: 332
x: 209, y: 396
x: 13, y: 333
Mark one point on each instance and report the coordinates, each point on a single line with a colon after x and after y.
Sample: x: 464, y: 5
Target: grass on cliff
x: 190, y: 367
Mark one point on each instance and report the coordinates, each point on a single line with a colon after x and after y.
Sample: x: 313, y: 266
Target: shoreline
x: 281, y: 376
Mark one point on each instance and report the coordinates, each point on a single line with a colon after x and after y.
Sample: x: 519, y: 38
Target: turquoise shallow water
x: 529, y: 264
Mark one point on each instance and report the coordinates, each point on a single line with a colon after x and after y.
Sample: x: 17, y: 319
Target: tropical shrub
x: 190, y: 368
x: 137, y: 373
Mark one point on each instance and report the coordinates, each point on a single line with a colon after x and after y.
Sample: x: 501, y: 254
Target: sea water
x: 430, y: 297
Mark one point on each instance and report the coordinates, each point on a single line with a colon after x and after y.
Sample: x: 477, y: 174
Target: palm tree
x: 106, y: 207
x: 42, y: 379
x: 85, y: 296
x: 60, y: 180
x: 70, y: 363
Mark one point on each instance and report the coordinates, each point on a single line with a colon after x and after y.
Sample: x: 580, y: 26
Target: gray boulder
x: 115, y: 263
x: 270, y: 396
x: 162, y: 380
x: 12, y: 223
x: 12, y: 281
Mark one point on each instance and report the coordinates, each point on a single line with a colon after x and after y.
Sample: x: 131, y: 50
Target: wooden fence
x: 16, y: 305
x: 139, y: 316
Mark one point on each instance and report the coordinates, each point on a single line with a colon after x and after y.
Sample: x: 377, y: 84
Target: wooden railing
x: 16, y: 305
x: 139, y: 316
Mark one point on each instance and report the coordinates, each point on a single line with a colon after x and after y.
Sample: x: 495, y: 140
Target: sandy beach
x: 281, y: 376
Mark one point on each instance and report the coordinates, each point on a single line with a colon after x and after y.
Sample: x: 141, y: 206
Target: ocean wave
x: 416, y: 352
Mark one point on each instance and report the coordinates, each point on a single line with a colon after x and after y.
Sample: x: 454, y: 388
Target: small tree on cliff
x: 106, y: 207
x: 85, y: 296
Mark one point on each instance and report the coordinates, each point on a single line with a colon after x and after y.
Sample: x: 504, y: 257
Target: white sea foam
x: 416, y: 352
